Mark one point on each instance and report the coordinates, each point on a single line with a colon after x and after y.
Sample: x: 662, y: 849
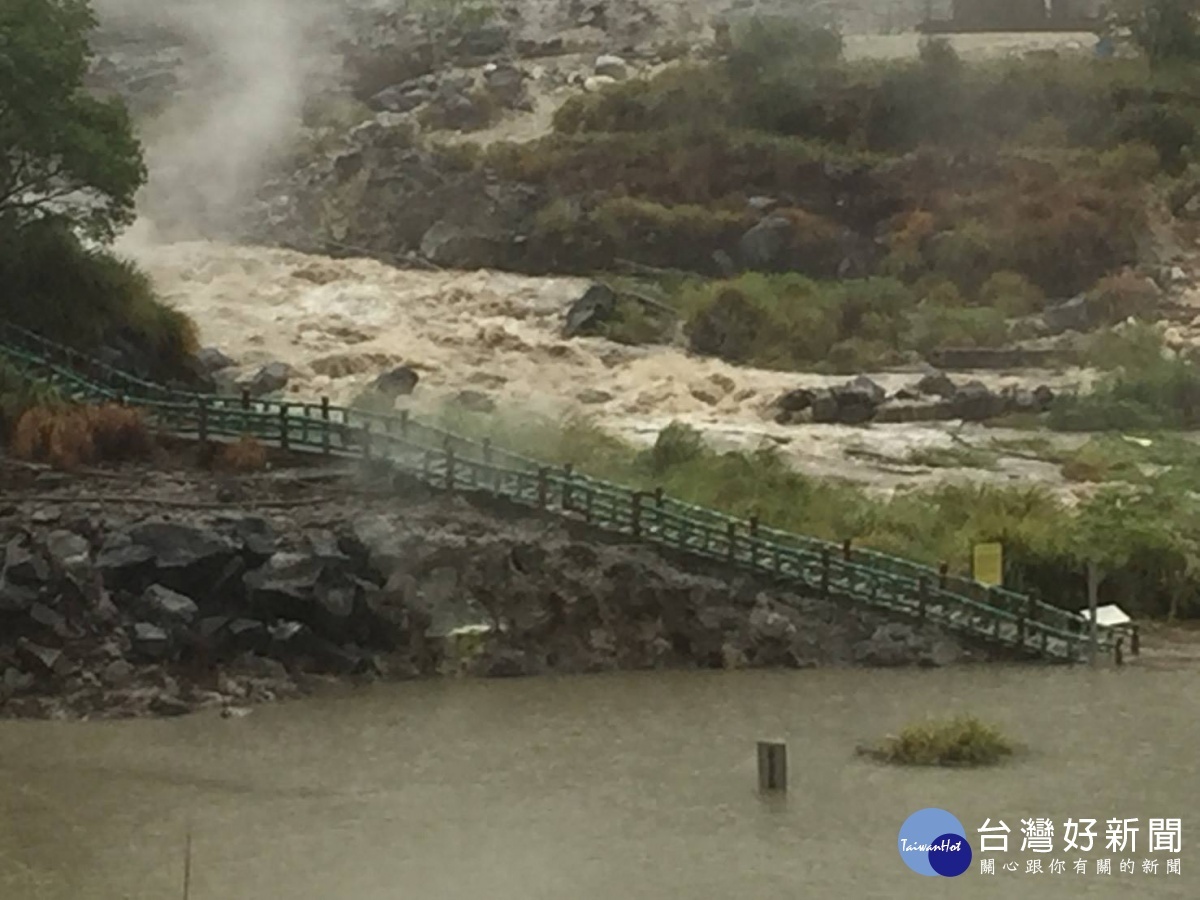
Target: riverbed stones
x: 167, y: 606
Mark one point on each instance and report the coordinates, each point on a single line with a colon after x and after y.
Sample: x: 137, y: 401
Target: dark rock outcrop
x: 116, y: 615
x: 595, y: 307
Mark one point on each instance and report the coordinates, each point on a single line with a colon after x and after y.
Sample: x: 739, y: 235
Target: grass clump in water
x: 960, y: 741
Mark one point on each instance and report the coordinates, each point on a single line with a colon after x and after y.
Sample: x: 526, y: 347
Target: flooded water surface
x: 623, y: 786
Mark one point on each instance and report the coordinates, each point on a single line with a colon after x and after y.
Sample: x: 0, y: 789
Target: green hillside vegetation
x: 71, y: 170
x: 920, y: 204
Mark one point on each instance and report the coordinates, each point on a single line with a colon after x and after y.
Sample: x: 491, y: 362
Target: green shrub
x: 1124, y: 296
x: 677, y: 444
x: 961, y: 741
x: 1132, y: 347
x: 1012, y: 294
x: 1164, y: 394
x: 935, y: 328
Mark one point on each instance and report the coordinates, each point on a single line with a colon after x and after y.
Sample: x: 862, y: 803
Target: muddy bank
x: 145, y: 592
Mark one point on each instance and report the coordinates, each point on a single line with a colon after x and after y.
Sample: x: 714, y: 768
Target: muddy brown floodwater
x: 600, y: 787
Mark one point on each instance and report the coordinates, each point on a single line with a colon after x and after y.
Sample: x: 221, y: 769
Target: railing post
x: 283, y: 426
x: 659, y: 494
x: 568, y: 473
x: 404, y: 423
x: 943, y: 573
x: 922, y: 598
x: 587, y: 513
x: 492, y: 477
x: 636, y: 513
x: 825, y: 563
x: 847, y: 548
x: 543, y: 488
x: 1022, y: 625
x: 731, y: 535
x: 449, y: 466
x: 304, y: 425
x: 325, y: 425
x: 1135, y: 640
x: 366, y: 439
x: 245, y: 398
x: 202, y: 427
x: 427, y: 464
x: 754, y: 541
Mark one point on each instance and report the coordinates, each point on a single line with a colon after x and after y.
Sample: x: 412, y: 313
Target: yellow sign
x: 989, y: 564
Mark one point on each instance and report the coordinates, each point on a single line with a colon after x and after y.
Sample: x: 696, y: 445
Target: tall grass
x: 70, y: 436
x: 87, y: 297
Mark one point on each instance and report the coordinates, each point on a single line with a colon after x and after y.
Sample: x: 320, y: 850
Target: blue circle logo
x: 933, y: 842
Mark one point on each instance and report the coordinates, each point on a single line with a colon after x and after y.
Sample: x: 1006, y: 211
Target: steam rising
x: 249, y: 66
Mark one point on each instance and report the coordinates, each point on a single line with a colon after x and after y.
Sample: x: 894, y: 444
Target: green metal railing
x: 453, y: 462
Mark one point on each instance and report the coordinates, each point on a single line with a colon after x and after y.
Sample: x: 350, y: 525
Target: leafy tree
x: 66, y: 154
x: 1163, y: 29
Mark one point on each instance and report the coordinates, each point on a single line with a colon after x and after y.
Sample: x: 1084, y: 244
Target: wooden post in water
x: 187, y: 865
x: 772, y: 766
x: 1093, y: 589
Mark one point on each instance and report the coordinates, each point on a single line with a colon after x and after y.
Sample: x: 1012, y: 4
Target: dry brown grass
x: 72, y: 436
x: 246, y: 455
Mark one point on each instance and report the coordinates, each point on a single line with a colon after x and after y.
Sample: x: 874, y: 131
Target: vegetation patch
x: 67, y: 437
x: 73, y: 167
x: 1140, y: 532
x: 963, y: 741
x: 1161, y: 394
x: 246, y: 454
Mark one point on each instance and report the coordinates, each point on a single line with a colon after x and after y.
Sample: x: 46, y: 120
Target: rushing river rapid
x: 599, y: 787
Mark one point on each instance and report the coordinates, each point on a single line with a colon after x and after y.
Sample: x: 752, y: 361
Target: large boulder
x: 461, y: 246
x: 270, y: 379
x: 853, y: 403
x: 975, y: 402
x: 397, y: 382
x: 589, y: 312
x: 766, y: 243
x: 168, y: 607
x: 506, y: 83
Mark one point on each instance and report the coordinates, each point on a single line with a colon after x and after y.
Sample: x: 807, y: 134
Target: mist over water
x: 249, y: 66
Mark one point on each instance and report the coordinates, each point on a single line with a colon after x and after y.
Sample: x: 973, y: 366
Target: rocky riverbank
x: 143, y: 592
